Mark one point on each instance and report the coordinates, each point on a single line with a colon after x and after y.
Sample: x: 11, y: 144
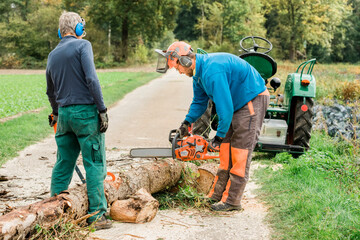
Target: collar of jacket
x: 69, y: 36
x: 198, y: 66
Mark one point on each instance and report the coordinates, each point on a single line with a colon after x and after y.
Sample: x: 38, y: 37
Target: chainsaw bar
x: 150, y: 152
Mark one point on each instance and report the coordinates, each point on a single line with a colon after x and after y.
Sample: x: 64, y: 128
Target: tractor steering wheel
x: 255, y: 47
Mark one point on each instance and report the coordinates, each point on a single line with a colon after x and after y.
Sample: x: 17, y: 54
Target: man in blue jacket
x: 241, y: 99
x: 78, y: 108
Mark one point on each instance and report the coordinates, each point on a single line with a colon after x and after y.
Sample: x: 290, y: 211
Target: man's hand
x: 104, y: 121
x: 53, y: 119
x: 214, y: 144
x: 183, y: 129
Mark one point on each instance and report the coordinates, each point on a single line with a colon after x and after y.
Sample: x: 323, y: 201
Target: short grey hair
x: 68, y: 22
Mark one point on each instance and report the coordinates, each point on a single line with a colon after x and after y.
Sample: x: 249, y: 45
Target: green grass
x: 23, y: 131
x: 184, y: 195
x: 20, y: 93
x: 316, y: 196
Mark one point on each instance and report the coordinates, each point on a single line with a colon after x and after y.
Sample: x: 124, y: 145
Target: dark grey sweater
x: 70, y: 75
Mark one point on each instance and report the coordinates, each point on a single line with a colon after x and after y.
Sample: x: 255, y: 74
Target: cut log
x: 140, y: 208
x: 207, y: 173
x: 199, y: 177
x: 153, y: 177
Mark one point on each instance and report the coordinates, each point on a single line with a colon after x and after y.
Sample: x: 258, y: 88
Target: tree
x: 231, y: 20
x: 300, y: 21
x: 186, y: 21
x: 130, y: 21
x: 351, y: 50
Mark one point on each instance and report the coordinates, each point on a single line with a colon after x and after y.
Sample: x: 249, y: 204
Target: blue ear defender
x: 79, y: 29
x: 59, y: 34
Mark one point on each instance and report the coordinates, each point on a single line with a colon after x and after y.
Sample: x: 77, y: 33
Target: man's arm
x: 50, y: 92
x: 87, y: 62
x: 219, y: 87
x: 199, y: 103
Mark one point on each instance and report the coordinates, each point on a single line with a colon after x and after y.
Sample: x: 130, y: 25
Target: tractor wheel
x: 303, y: 122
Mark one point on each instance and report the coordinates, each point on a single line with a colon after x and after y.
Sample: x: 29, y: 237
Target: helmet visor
x: 162, y: 65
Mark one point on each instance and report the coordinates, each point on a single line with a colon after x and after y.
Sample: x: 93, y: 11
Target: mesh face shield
x: 162, y: 65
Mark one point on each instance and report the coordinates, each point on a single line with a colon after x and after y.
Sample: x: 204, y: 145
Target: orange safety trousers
x: 236, y: 151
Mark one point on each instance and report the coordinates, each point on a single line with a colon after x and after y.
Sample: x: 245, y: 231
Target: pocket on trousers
x: 96, y: 153
x: 84, y: 115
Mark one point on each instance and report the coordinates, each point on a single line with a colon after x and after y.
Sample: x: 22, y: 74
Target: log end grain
x: 140, y: 208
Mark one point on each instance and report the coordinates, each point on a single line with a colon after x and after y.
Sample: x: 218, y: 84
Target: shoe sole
x: 228, y: 209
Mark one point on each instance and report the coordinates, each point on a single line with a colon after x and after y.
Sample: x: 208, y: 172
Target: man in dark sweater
x: 78, y: 108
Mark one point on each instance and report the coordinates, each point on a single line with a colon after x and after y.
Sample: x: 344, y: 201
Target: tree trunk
x: 154, y: 177
x: 125, y: 38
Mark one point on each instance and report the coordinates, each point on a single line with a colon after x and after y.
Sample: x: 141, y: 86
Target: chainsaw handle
x: 173, y: 144
x: 172, y: 135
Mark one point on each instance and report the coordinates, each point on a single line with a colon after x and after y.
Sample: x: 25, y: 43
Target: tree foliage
x: 121, y: 30
x: 297, y: 23
x: 133, y: 21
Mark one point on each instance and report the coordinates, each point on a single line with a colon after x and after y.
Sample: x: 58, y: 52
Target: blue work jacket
x: 229, y: 81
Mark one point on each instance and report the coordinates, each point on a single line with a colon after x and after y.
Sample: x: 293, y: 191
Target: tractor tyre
x: 303, y: 122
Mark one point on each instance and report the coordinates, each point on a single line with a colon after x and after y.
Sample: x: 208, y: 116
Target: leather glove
x: 53, y: 118
x: 214, y: 144
x: 104, y: 121
x: 183, y: 130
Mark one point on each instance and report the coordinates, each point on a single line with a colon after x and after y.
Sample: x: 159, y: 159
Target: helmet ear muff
x: 185, y: 61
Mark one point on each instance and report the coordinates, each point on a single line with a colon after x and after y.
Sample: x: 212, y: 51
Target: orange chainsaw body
x: 192, y: 148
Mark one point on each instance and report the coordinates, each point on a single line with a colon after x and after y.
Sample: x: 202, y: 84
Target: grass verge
x: 316, y: 196
x: 27, y: 129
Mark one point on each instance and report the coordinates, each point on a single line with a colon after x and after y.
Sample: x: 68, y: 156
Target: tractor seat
x: 263, y: 63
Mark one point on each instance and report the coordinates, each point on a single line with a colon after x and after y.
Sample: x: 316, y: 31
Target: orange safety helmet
x: 176, y: 51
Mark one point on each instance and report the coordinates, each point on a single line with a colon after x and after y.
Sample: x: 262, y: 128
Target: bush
x: 10, y: 61
x: 224, y: 47
x: 140, y: 55
x: 348, y: 91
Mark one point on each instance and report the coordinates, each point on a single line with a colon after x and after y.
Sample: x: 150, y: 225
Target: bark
x: 153, y: 177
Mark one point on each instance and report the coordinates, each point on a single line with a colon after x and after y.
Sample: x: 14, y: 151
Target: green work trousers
x: 78, y: 129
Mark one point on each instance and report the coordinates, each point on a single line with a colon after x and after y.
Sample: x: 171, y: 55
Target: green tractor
x: 288, y: 120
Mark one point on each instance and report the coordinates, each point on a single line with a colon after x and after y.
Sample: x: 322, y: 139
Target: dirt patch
x: 2, y: 120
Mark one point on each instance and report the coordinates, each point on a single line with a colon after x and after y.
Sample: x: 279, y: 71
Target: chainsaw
x: 194, y: 147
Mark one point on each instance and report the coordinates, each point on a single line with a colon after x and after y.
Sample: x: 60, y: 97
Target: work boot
x: 101, y: 223
x: 221, y: 206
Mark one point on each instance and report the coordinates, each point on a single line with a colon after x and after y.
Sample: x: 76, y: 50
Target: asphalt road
x: 144, y: 117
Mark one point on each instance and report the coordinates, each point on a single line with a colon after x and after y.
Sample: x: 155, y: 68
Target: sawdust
x: 142, y: 119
